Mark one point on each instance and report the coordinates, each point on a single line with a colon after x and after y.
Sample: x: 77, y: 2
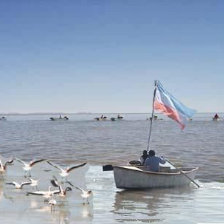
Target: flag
x: 165, y: 103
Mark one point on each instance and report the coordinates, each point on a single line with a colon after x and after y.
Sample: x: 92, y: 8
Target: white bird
x: 17, y: 185
x: 28, y: 166
x: 46, y: 194
x: 65, y: 172
x: 85, y: 194
x: 3, y: 167
x: 52, y: 202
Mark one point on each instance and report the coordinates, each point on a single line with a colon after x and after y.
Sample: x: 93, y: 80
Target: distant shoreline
x: 81, y: 113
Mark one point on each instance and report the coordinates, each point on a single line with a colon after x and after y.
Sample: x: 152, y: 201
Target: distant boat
x: 65, y: 118
x: 155, y: 117
x: 119, y: 117
x: 102, y: 118
x: 3, y: 119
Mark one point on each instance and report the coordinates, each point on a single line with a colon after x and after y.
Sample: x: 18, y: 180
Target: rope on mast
x: 152, y: 116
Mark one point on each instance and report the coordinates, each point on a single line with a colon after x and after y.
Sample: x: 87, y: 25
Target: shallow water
x: 84, y: 139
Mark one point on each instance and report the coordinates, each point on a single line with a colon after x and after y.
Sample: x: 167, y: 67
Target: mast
x: 152, y: 116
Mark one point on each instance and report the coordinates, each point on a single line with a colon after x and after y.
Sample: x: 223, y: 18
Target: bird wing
x: 55, y: 178
x: 11, y: 183
x: 54, y: 183
x: 33, y: 182
x: 79, y: 188
x: 69, y: 183
x: 21, y: 161
x: 36, y: 161
x: 9, y: 162
x: 56, y: 192
x: 25, y: 183
x: 54, y: 165
x: 36, y: 193
x: 74, y: 167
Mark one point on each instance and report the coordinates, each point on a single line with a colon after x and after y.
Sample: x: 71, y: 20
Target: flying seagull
x: 65, y: 172
x: 3, y: 167
x: 17, y: 185
x: 28, y: 166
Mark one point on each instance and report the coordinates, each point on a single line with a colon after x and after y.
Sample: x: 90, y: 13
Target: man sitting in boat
x: 143, y: 157
x: 152, y: 162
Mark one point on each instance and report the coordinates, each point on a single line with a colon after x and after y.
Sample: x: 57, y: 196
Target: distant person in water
x: 216, y: 116
x: 143, y: 157
x: 153, y: 161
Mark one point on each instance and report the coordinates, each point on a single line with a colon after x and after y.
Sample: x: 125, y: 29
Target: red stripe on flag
x: 171, y: 113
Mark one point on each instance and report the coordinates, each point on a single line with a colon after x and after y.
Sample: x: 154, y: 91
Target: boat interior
x: 165, y: 169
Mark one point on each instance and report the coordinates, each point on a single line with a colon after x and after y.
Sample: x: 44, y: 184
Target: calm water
x: 84, y: 139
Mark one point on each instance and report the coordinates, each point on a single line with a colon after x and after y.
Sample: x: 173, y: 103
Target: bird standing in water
x: 85, y: 194
x: 52, y: 202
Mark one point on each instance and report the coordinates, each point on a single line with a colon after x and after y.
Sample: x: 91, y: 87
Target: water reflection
x: 59, y: 214
x: 35, y: 210
x: 1, y: 189
x: 149, y: 205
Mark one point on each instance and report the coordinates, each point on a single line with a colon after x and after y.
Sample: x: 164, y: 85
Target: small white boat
x: 131, y: 177
x: 138, y: 177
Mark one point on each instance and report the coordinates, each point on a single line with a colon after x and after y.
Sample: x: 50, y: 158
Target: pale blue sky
x: 103, y: 55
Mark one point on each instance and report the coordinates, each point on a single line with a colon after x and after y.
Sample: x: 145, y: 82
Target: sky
x: 104, y: 55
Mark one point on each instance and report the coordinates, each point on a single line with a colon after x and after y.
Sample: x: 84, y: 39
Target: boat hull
x: 58, y: 119
x: 128, y: 177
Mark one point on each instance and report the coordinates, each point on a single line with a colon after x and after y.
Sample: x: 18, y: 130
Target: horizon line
x: 64, y: 113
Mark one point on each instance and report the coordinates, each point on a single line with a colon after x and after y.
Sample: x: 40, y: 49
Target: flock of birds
x: 58, y: 185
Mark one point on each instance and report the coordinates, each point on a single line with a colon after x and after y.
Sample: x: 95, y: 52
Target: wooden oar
x: 184, y: 174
